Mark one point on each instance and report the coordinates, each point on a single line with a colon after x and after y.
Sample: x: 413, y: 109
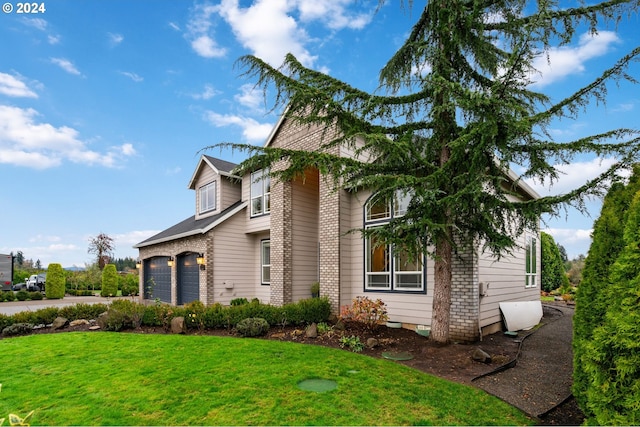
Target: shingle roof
x: 221, y: 165
x: 192, y: 226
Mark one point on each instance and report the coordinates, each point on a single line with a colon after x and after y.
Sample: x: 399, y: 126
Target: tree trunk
x: 442, y: 292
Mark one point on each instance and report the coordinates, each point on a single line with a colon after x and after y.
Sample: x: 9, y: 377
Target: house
x: 253, y: 238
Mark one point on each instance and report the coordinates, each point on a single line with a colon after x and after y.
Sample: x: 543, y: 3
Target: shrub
x: 17, y: 329
x: 194, y: 315
x: 35, y: 296
x: 353, y: 343
x: 5, y: 321
x: 239, y: 301
x: 56, y: 280
x: 366, y: 312
x: 132, y: 311
x: 109, y: 281
x: 22, y: 295
x: 315, y: 310
x: 9, y: 296
x: 129, y: 285
x: 82, y: 311
x: 252, y: 327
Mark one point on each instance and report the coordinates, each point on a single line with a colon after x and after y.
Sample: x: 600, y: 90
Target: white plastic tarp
x: 521, y: 315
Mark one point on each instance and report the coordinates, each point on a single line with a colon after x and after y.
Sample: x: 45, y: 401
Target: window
x: 531, y: 266
x: 389, y: 267
x: 208, y: 197
x: 260, y: 192
x: 265, y: 262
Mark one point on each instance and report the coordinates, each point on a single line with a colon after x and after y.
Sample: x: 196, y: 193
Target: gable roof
x: 221, y: 167
x: 192, y: 226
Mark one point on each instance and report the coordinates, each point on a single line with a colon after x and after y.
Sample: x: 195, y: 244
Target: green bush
x: 56, y: 281
x: 6, y: 320
x: 109, y: 281
x: 129, y: 285
x: 9, y: 296
x: 239, y: 301
x: 22, y: 295
x: 82, y: 311
x: 17, y: 329
x: 194, y: 315
x: 35, y: 296
x: 252, y: 327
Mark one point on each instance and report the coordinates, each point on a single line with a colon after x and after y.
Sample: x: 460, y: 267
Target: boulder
x: 178, y: 326
x: 372, y: 342
x: 479, y: 355
x: 78, y: 322
x: 59, y: 323
x: 312, y: 331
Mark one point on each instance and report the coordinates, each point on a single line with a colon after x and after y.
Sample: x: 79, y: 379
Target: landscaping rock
x: 479, y: 355
x: 372, y: 342
x: 78, y: 322
x: 278, y: 335
x: 178, y: 326
x: 94, y: 328
x: 312, y: 331
x: 59, y: 323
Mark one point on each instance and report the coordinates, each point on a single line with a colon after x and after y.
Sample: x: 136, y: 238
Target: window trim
x: 265, y: 243
x: 204, y: 189
x: 531, y: 262
x: 264, y: 196
x: 391, y: 254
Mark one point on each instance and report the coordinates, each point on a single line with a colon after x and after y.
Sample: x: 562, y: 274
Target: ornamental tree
x: 56, y: 282
x: 553, y: 273
x: 453, y: 113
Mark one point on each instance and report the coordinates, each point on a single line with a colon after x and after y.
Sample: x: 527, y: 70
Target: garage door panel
x: 188, y: 279
x: 157, y: 279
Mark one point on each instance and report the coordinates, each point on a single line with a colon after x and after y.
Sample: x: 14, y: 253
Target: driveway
x: 13, y: 307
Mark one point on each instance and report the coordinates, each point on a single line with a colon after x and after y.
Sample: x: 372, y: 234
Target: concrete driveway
x: 14, y: 307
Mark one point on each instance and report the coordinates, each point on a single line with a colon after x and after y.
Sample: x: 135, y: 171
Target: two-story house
x: 253, y: 238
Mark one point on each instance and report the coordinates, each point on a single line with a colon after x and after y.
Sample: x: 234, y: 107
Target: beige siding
x: 229, y: 192
x: 236, y: 262
x: 305, y: 234
x: 504, y: 280
x: 256, y: 224
x: 206, y: 176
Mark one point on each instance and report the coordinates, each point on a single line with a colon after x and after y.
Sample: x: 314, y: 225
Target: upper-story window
x: 531, y: 264
x: 260, y: 192
x: 389, y: 267
x: 208, y: 197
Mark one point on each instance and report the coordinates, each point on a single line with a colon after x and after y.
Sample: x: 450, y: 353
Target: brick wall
x: 465, y: 296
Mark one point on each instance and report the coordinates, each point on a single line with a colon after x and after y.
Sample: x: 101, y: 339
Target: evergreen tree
x: 109, y: 281
x: 591, y: 299
x: 553, y: 273
x: 611, y: 359
x: 55, y: 287
x: 458, y: 113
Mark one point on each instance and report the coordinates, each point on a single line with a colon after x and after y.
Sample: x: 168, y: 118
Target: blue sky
x: 105, y: 104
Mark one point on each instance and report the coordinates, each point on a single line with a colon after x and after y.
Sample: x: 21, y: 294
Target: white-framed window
x: 389, y: 267
x: 265, y: 262
x: 260, y: 192
x: 207, y: 197
x: 531, y: 262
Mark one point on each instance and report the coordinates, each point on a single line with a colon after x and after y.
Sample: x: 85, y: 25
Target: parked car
x: 19, y: 287
x: 36, y: 282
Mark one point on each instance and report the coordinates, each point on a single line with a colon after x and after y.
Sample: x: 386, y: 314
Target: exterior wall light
x: 201, y: 261
x: 170, y: 261
x: 138, y: 264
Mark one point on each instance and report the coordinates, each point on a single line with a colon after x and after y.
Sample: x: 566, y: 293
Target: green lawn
x: 136, y: 379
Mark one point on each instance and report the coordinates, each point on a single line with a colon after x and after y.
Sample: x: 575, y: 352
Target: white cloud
x: 250, y: 96
x: 268, y: 30
x: 115, y: 39
x: 15, y: 87
x: 66, y: 65
x: 573, y: 175
x: 570, y: 235
x: 130, y: 238
x: 53, y: 39
x: 174, y: 26
x: 199, y: 32
x: 37, y: 23
x: 25, y: 142
x: 251, y: 129
x: 565, y: 61
x: 207, y: 93
x: 133, y: 76
x: 333, y: 13
x: 206, y: 47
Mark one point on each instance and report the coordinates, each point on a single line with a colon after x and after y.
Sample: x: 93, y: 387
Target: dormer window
x: 260, y: 192
x: 207, y: 197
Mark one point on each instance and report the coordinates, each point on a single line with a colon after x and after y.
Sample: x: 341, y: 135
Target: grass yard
x: 136, y: 379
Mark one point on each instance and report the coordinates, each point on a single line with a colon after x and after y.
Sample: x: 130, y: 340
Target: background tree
x: 553, y: 273
x: 109, y: 281
x: 458, y: 114
x: 611, y: 359
x: 574, y: 270
x: 56, y: 286
x: 563, y: 253
x: 591, y: 298
x: 102, y: 246
x: 19, y: 259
